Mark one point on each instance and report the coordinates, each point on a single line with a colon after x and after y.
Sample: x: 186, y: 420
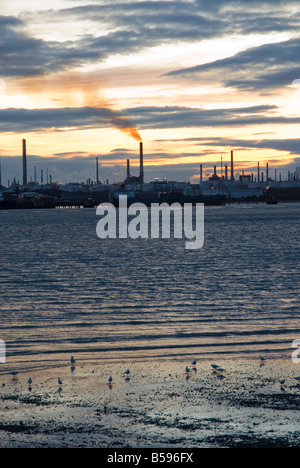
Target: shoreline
x: 157, y: 405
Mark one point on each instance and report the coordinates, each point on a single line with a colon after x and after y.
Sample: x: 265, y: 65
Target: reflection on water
x: 65, y: 291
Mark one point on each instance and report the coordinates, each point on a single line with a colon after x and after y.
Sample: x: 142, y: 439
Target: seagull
x: 110, y: 379
x: 30, y: 381
x: 72, y: 360
x: 127, y: 372
x: 214, y: 366
x: 220, y: 369
x: 282, y: 382
x: 261, y: 358
x: 15, y: 373
x: 194, y: 362
x: 59, y: 381
x: 187, y: 370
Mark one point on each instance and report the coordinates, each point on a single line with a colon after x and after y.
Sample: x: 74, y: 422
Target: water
x: 65, y: 292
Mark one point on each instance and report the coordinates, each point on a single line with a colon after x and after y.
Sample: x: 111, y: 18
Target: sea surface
x: 64, y: 292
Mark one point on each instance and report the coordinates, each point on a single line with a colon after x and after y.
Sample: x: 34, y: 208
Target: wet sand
x: 158, y: 405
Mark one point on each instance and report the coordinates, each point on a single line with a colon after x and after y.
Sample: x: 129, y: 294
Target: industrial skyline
x: 83, y: 79
x: 226, y: 172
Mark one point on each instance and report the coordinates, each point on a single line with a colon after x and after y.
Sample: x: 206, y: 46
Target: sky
x: 192, y: 79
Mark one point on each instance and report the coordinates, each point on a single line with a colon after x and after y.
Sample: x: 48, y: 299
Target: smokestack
x: 226, y: 172
x: 258, y: 173
x: 24, y: 164
x: 267, y: 171
x: 201, y: 173
x: 141, y: 163
x: 128, y: 169
x: 232, y: 169
x: 97, y: 170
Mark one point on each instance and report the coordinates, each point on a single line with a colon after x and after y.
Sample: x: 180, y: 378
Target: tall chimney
x: 267, y: 171
x: 141, y: 163
x: 226, y: 172
x: 201, y: 173
x: 24, y: 164
x: 232, y: 169
x: 97, y: 170
x: 128, y: 169
x: 258, y: 173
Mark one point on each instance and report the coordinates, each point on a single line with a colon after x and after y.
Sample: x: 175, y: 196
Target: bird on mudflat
x: 110, y: 379
x: 214, y: 366
x: 262, y: 359
x: 194, y: 362
x: 30, y: 380
x: 14, y: 374
x: 187, y: 370
x: 127, y: 372
x: 59, y: 381
x: 72, y: 360
x: 282, y: 386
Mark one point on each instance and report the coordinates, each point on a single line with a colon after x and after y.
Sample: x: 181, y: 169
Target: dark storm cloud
x: 139, y: 27
x: 25, y: 120
x: 16, y: 49
x: 266, y: 67
x: 127, y: 27
x: 23, y: 56
x: 149, y: 20
x: 192, y: 20
x: 61, y: 119
x: 180, y: 117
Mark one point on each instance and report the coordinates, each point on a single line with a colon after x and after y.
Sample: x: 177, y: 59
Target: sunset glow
x: 193, y: 81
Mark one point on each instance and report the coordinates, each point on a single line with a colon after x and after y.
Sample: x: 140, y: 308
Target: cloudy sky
x: 193, y: 79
